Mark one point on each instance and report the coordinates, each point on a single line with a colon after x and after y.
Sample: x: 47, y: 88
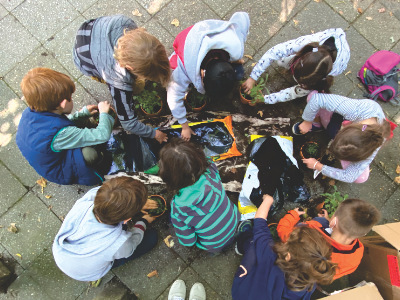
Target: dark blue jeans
x: 149, y: 241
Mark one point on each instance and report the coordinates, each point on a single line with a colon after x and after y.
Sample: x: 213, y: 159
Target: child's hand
x: 92, y: 109
x: 186, y: 132
x: 104, y: 107
x: 312, y: 164
x: 263, y: 209
x: 248, y: 85
x: 150, y: 204
x: 268, y: 199
x: 149, y: 218
x: 299, y: 212
x: 161, y: 136
x: 305, y: 127
x: 238, y: 62
x: 324, y: 214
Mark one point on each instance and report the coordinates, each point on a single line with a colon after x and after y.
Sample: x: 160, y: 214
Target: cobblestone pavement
x: 41, y: 33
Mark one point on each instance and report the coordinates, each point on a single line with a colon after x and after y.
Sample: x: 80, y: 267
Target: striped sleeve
x: 186, y: 234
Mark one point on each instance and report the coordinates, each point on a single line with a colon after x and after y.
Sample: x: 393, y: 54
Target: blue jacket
x: 36, y: 132
x: 264, y: 279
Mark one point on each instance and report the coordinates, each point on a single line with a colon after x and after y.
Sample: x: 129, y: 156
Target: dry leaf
x: 248, y: 56
x: 296, y: 22
x: 42, y: 182
x: 47, y: 196
x: 50, y: 207
x: 340, y: 12
x: 390, y: 14
x: 317, y: 1
x: 19, y: 255
x: 312, y: 31
x: 392, y: 39
x: 168, y: 242
x: 175, y: 22
x: 171, y: 243
x: 369, y: 18
x: 332, y: 182
x: 382, y: 164
x: 398, y: 169
x: 39, y: 219
x: 349, y: 72
x: 136, y: 13
x: 360, y: 10
x: 253, y: 64
x: 12, y: 228
x: 382, y: 10
x: 233, y: 170
x: 397, y: 180
x: 152, y: 274
x: 260, y: 112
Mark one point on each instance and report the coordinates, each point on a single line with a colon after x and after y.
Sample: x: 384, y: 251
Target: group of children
x: 93, y: 238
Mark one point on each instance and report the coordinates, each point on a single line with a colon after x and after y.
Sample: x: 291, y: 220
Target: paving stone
x: 63, y: 197
x: 90, y: 293
x: 133, y: 274
x: 52, y: 280
x: 153, y: 6
x: 396, y: 118
x: 61, y: 44
x: 155, y: 28
x: 25, y: 287
x: 82, y: 98
x: 11, y: 4
x: 13, y: 159
x: 383, y: 23
x: 123, y: 7
x: 376, y: 190
x: 349, y: 9
x: 190, y: 277
x: 389, y: 109
x: 11, y: 190
x: 357, y: 93
x: 342, y: 85
x: 99, y: 91
x: 287, y: 9
x: 11, y: 262
x: 115, y: 290
x: 5, y: 275
x: 187, y: 12
x: 388, y: 155
x: 221, y: 7
x: 82, y: 5
x: 39, y: 58
x: 264, y: 21
x: 3, y: 12
x: 390, y: 210
x: 312, y: 17
x: 391, y: 6
x: 14, y: 34
x: 37, y: 227
x: 220, y: 276
x: 50, y: 16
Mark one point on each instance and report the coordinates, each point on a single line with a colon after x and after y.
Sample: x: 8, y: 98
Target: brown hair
x: 356, y: 217
x: 145, y: 54
x: 357, y: 141
x: 311, y: 69
x: 44, y: 89
x: 309, y: 262
x: 119, y: 199
x: 181, y: 164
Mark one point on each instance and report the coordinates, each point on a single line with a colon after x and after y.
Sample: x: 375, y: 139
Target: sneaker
x: 244, y: 226
x: 314, y: 128
x: 197, y: 292
x: 177, y: 290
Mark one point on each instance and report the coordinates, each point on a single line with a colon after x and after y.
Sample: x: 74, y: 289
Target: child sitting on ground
x: 353, y: 219
x: 49, y: 139
x: 91, y: 240
x: 355, y: 145
x: 201, y: 212
x: 312, y: 59
x: 288, y: 270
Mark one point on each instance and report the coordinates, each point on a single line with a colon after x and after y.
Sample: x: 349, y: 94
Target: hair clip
x: 364, y: 127
x: 314, y: 49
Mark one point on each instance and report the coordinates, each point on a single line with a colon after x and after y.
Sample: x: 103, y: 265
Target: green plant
x: 196, y: 99
x: 256, y: 95
x: 332, y: 200
x: 311, y: 150
x: 161, y: 206
x: 148, y: 100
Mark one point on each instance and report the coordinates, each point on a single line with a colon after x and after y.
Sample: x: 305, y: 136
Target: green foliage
x: 256, y: 94
x: 148, y: 100
x: 160, y: 209
x: 311, y: 150
x: 196, y: 99
x: 333, y: 200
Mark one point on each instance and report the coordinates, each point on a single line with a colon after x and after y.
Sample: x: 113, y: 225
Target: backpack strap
x: 375, y: 94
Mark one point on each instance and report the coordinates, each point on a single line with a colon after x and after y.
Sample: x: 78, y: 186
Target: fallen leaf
x: 349, y: 72
x: 42, y: 182
x: 136, y: 13
x: 175, y: 22
x: 340, y: 12
x: 50, y: 207
x: 47, y: 196
x: 317, y: 1
x: 398, y: 169
x: 152, y: 274
x: 233, y: 170
x: 171, y: 243
x: 382, y: 10
x: 392, y: 39
x: 39, y: 219
x: 248, y: 56
x: 312, y: 31
x: 167, y: 241
x: 382, y: 164
x: 296, y: 22
x: 397, y: 180
x: 253, y: 64
x: 12, y: 228
x: 19, y: 255
x: 360, y: 10
x: 332, y: 182
x: 369, y: 18
x: 260, y: 112
x: 359, y: 85
x: 390, y: 14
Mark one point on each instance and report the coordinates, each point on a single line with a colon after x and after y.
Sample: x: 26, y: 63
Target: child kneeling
x: 50, y: 141
x: 353, y: 219
x: 92, y: 241
x: 288, y: 270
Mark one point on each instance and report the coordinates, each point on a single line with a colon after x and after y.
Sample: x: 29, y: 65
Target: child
x: 288, y: 270
x: 201, y: 212
x: 206, y: 55
x: 353, y: 219
x: 312, y: 59
x: 49, y: 140
x: 91, y: 239
x: 114, y: 51
x: 356, y: 145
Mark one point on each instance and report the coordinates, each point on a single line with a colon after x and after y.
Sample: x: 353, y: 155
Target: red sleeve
x: 286, y: 225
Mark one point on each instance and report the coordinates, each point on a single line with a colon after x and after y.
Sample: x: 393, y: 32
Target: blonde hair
x: 145, y: 54
x: 309, y: 261
x: 44, y: 89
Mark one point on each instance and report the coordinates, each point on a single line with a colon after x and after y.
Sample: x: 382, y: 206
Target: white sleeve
x: 286, y: 95
x: 132, y: 242
x: 176, y: 90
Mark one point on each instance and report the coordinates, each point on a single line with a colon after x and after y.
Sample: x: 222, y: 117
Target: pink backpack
x: 379, y: 76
